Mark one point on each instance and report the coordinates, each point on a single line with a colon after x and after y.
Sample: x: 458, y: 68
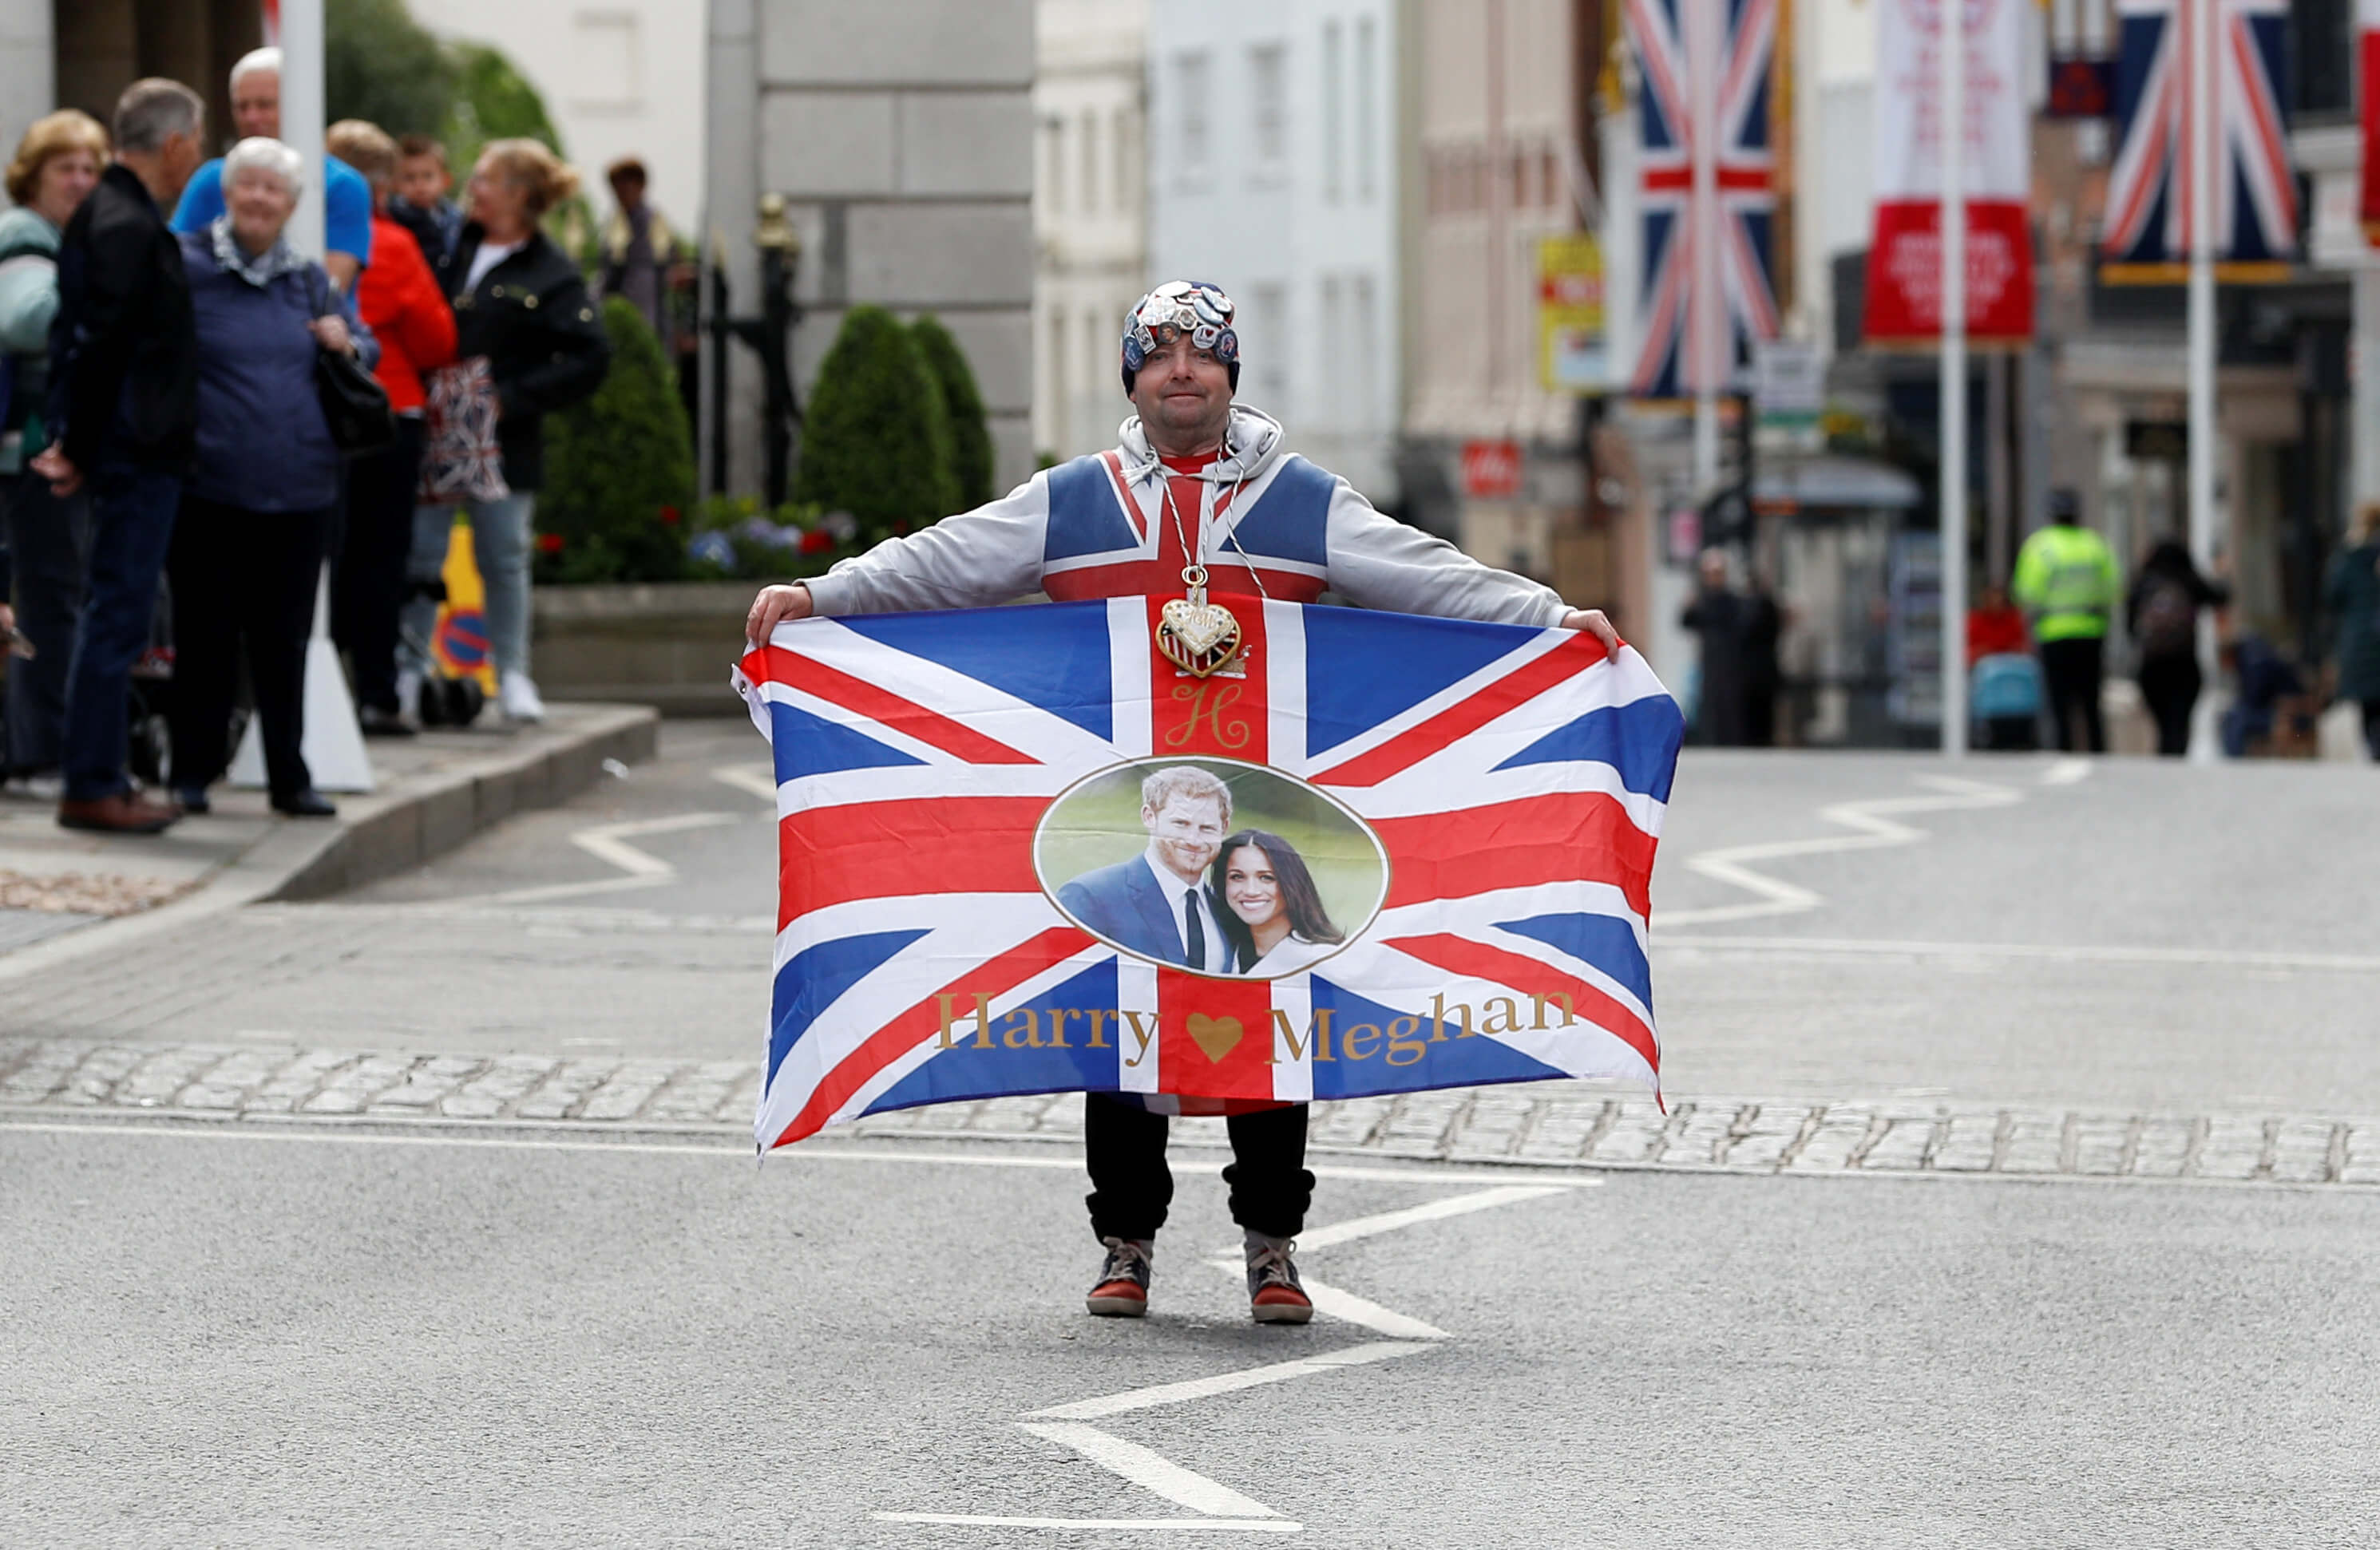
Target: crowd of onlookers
x: 2037, y: 646
x: 170, y: 371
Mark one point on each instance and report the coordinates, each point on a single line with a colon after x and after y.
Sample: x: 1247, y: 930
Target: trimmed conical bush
x: 876, y: 441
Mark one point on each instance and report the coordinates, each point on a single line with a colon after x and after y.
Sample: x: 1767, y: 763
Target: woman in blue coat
x: 257, y: 508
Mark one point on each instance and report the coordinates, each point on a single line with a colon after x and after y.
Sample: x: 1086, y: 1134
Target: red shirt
x: 1992, y: 631
x: 402, y: 305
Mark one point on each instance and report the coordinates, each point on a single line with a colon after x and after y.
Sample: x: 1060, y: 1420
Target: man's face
x: 181, y: 155
x: 1187, y: 832
x: 256, y: 104
x: 1183, y: 395
x: 422, y: 181
x: 628, y: 190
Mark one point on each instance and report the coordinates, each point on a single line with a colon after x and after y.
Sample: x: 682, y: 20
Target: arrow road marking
x: 1225, y: 1383
x: 1876, y: 830
x: 608, y: 843
x: 1224, y: 1507
x: 1149, y: 1471
x: 1258, y: 1525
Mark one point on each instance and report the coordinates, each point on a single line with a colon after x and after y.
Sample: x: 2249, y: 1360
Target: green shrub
x: 877, y: 443
x: 970, y: 436
x: 619, y: 468
x: 382, y: 66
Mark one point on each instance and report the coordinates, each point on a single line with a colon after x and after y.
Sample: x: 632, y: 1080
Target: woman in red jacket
x: 405, y: 311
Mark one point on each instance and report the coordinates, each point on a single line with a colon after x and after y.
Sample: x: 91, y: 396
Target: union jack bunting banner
x: 1020, y: 852
x: 1709, y: 291
x: 2255, y: 220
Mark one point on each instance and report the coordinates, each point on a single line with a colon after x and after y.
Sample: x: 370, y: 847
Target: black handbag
x: 353, y: 405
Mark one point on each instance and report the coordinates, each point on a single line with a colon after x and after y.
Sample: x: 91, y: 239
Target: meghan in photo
x: 1272, y: 907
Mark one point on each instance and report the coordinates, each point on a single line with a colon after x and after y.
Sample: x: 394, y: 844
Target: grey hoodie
x: 1002, y: 552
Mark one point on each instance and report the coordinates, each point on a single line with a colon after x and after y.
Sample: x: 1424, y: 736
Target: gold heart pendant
x: 1197, y: 638
x: 1217, y: 1035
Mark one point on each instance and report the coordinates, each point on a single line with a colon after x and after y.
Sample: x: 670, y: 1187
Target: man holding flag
x: 1197, y: 487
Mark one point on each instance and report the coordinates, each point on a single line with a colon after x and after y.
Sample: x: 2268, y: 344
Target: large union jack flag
x: 1707, y: 292
x: 1513, y: 780
x: 2149, y: 221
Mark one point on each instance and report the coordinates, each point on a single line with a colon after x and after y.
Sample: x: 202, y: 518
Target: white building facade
x: 1274, y: 173
x: 1090, y: 213
x: 620, y: 79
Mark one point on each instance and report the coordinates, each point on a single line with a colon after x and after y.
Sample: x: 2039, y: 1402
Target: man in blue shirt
x: 346, y: 197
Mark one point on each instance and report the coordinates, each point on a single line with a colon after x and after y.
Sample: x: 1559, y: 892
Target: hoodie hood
x: 1251, y: 442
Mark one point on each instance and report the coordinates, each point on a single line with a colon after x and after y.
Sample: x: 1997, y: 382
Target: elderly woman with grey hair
x: 258, y: 504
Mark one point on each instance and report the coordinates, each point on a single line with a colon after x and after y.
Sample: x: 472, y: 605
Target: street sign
x: 1789, y: 381
x: 1491, y: 470
x: 1572, y: 353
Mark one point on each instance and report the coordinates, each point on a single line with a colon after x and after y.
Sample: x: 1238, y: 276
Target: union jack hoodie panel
x: 1107, y: 525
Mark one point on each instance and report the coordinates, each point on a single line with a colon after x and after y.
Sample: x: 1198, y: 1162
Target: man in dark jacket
x: 124, y: 408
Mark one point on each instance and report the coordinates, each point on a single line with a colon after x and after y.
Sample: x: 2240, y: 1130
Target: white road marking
x: 1346, y: 1305
x: 752, y: 779
x: 1876, y: 827
x: 978, y: 1520
x: 1149, y: 1471
x: 1823, y: 947
x: 2065, y: 772
x: 1431, y: 1211
x: 608, y: 843
x: 1225, y: 1383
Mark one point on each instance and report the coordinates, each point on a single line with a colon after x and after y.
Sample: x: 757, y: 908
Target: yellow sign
x: 1572, y: 352
x: 459, y: 640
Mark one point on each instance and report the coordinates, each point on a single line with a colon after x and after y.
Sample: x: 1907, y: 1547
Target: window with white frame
x: 1191, y: 146
x: 1268, y: 310
x: 1126, y: 143
x: 1269, y: 108
x: 1333, y: 109
x: 1363, y: 354
x: 1053, y: 164
x: 602, y: 62
x: 1331, y: 409
x: 1366, y: 100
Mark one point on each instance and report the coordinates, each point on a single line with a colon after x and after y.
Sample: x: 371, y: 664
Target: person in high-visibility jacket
x: 2068, y: 584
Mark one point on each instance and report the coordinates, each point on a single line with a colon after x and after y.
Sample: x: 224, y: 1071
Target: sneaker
x: 376, y: 722
x: 1123, y: 1289
x: 1275, y: 1295
x: 45, y: 786
x: 517, y: 693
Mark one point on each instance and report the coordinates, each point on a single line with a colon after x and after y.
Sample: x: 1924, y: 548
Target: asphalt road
x: 309, y: 1340
x: 303, y: 1335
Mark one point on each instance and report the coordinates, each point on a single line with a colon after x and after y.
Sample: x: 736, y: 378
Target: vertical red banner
x: 1219, y: 716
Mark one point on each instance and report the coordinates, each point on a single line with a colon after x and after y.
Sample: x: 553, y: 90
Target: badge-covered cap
x: 1178, y: 309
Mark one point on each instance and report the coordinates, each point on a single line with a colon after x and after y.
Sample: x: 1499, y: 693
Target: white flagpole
x: 1706, y: 318
x: 1954, y: 377
x: 2202, y: 118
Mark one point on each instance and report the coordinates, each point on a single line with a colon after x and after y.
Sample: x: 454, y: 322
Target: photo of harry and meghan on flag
x: 1206, y: 864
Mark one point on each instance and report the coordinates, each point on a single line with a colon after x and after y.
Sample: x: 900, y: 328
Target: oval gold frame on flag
x: 1092, y: 833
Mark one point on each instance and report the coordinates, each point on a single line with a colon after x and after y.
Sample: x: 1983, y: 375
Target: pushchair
x: 2004, y: 698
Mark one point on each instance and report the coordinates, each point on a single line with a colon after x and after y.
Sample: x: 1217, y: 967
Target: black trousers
x: 368, y: 582
x: 2371, y: 727
x: 1131, y: 1186
x: 242, y: 578
x: 2071, y: 669
x: 2169, y: 685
